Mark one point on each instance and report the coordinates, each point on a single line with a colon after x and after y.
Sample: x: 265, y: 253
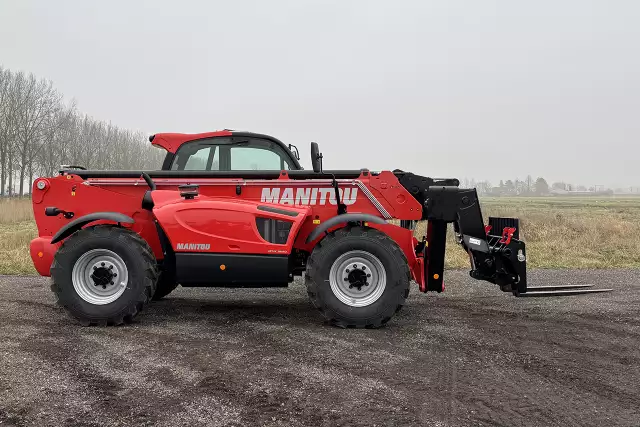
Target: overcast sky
x: 484, y: 89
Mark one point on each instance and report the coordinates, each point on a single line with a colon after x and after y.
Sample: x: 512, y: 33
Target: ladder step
x: 532, y: 294
x: 556, y: 287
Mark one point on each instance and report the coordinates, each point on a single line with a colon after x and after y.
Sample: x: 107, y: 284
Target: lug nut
x: 347, y: 270
x: 111, y: 267
x: 346, y: 278
x: 355, y: 265
x: 364, y: 267
x: 368, y: 275
x: 102, y: 264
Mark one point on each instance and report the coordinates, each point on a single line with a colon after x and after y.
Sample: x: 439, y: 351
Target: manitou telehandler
x: 236, y: 209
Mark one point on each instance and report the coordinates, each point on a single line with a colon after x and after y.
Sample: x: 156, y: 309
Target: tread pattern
x: 112, y: 232
x: 325, y: 246
x: 165, y: 285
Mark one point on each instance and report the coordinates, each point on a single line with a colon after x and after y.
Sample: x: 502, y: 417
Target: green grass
x: 17, y: 229
x: 559, y: 232
x: 571, y: 232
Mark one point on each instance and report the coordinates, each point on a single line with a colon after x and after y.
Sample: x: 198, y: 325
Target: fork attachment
x: 496, y: 253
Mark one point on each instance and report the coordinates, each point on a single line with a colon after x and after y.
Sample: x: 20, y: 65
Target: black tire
x: 166, y: 285
x: 376, y: 243
x: 141, y: 268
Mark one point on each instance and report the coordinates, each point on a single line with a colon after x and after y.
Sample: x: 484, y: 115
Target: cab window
x: 197, y: 156
x: 229, y: 154
x: 257, y: 155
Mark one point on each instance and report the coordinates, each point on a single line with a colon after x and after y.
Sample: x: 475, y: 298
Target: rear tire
x: 166, y: 285
x: 357, y: 277
x: 104, y: 275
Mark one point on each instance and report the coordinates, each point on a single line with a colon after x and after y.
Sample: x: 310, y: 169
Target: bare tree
x: 529, y: 184
x: 38, y: 133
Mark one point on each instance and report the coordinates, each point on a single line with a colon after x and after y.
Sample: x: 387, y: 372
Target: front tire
x: 104, y: 275
x: 357, y: 277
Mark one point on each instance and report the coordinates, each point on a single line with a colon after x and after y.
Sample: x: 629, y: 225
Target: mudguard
x: 78, y: 223
x: 340, y: 219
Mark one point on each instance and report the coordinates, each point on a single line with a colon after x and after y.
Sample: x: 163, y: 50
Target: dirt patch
x: 471, y: 356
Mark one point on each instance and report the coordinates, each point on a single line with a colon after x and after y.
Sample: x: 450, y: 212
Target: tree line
x: 39, y: 132
x: 531, y: 187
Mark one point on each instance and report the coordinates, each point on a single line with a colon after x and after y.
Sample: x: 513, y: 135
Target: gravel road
x: 215, y: 357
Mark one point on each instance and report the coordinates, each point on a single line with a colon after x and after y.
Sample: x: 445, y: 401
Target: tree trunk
x: 30, y: 182
x: 10, y: 170
x: 21, y: 191
x: 3, y: 170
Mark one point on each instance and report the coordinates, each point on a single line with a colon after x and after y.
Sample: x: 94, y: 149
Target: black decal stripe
x: 204, y: 269
x: 277, y: 210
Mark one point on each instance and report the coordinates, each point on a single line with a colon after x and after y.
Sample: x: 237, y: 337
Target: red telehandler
x: 236, y: 209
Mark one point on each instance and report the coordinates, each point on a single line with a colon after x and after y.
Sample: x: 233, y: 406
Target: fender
x: 339, y: 219
x: 78, y: 223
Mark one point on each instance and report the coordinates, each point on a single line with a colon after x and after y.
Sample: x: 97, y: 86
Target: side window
x: 227, y: 154
x: 247, y: 158
x: 197, y: 157
x: 258, y: 155
x: 198, y: 160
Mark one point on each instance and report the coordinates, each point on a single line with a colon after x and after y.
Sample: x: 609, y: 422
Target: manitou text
x: 308, y: 196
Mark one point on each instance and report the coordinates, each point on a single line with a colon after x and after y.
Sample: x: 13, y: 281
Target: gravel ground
x: 215, y: 357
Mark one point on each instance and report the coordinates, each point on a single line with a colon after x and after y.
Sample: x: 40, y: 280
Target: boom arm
x: 499, y: 259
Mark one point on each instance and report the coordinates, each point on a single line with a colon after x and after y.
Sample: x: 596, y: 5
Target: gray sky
x: 484, y: 89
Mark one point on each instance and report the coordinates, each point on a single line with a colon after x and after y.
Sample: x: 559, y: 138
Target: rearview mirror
x: 316, y: 157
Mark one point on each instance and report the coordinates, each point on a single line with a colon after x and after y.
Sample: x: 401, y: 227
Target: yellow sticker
x: 73, y: 193
x: 316, y: 221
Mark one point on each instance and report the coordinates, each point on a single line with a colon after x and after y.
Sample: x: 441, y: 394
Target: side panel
x: 233, y: 270
x: 72, y: 194
x: 222, y: 225
x: 380, y: 195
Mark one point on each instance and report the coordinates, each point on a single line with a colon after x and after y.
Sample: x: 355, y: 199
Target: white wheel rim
x: 100, y: 276
x: 357, y: 278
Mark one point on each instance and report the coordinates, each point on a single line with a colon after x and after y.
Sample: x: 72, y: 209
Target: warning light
x: 223, y: 267
x: 316, y: 221
x: 436, y: 276
x: 40, y: 254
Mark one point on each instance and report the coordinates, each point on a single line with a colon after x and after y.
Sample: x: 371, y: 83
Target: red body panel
x: 221, y: 225
x: 172, y: 141
x: 222, y: 219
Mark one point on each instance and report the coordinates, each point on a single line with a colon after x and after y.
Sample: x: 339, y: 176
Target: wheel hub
x: 103, y: 274
x: 357, y: 278
x: 100, y: 276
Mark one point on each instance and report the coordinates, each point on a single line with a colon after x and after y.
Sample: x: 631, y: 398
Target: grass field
x: 559, y: 232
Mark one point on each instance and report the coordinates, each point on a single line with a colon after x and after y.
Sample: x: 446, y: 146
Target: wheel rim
x: 357, y: 278
x: 100, y: 276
